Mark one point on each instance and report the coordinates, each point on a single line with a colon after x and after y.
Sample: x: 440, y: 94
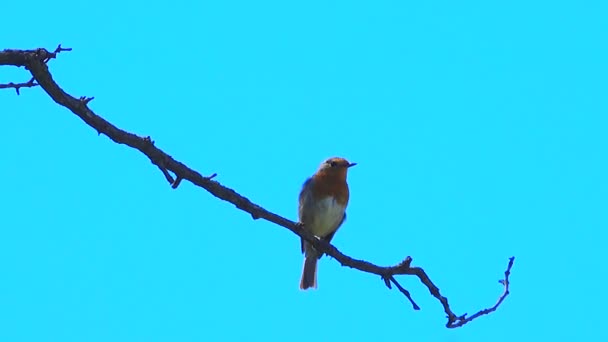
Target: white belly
x: 327, y: 216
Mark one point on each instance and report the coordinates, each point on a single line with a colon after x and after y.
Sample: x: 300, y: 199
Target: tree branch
x: 36, y: 62
x: 29, y: 84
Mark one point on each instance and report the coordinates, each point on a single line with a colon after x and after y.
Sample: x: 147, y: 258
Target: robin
x: 322, y: 211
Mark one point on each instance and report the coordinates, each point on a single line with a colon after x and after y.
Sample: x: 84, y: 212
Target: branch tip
x: 51, y: 55
x: 387, y: 282
x: 60, y: 49
x: 175, y: 184
x: 405, y: 292
x: 462, y: 320
x: 406, y: 263
x: 161, y: 166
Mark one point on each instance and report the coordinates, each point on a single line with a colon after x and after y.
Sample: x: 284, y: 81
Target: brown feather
x: 331, y: 183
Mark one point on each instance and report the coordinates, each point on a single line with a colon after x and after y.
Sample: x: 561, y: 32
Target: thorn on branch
x: 387, y: 282
x: 166, y: 173
x: 161, y: 164
x: 149, y: 140
x: 179, y: 179
x: 176, y: 183
x: 85, y: 100
x: 406, y: 263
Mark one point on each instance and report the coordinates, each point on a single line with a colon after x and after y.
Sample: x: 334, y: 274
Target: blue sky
x: 479, y: 129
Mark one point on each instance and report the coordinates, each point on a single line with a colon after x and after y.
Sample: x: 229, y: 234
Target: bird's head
x: 335, y: 166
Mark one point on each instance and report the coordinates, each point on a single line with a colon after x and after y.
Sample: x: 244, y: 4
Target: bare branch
x: 35, y: 61
x: 17, y: 86
x: 405, y: 292
x: 505, y: 282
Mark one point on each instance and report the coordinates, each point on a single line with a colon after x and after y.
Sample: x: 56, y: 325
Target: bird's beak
x: 352, y: 164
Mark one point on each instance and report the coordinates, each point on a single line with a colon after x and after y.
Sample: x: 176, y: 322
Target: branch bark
x: 174, y: 172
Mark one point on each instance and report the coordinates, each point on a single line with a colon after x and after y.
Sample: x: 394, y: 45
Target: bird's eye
x: 333, y: 164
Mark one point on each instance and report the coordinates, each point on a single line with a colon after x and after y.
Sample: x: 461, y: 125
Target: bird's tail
x: 309, y: 273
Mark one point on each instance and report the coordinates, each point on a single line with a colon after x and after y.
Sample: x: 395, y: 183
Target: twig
x: 29, y: 84
x: 505, y: 282
x: 405, y: 292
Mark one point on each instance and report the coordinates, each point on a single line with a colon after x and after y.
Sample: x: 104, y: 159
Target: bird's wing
x: 304, y: 208
x: 305, y: 203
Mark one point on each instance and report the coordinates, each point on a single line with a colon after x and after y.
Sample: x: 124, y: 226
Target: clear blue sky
x: 479, y: 129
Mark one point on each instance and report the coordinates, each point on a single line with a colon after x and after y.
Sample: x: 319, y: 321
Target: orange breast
x: 331, y: 185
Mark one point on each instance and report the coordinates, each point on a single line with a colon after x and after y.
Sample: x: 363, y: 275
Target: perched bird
x: 322, y: 210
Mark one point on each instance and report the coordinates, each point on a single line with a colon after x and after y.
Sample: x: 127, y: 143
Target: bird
x: 322, y: 210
